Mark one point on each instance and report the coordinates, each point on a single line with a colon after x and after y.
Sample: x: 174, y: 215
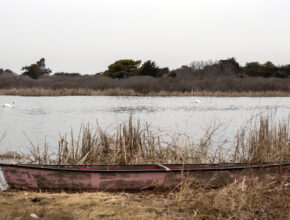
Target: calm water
x: 44, y: 118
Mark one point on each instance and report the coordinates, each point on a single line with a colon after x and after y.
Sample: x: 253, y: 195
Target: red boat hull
x: 116, y: 178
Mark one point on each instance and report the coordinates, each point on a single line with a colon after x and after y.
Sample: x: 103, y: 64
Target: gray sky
x: 87, y: 35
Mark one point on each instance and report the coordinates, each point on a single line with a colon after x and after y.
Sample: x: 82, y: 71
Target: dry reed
x: 131, y: 92
x: 130, y: 144
x: 266, y: 140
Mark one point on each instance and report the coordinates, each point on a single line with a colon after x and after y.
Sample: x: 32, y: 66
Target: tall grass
x: 132, y: 143
x: 266, y: 140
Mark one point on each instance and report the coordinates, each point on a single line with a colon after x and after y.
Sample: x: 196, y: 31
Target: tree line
x: 127, y: 67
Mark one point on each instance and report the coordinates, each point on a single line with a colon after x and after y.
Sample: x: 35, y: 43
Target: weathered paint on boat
x: 134, y: 177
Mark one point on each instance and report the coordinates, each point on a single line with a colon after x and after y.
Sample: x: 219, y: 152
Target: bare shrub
x: 144, y: 85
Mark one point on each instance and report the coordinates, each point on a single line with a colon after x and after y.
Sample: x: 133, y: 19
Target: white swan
x: 8, y: 105
x: 197, y: 101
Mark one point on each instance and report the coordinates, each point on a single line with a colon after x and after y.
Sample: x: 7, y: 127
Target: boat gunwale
x: 58, y: 167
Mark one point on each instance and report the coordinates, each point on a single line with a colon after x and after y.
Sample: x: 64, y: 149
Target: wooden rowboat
x: 134, y: 177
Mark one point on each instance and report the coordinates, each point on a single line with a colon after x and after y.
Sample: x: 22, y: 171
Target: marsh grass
x: 262, y: 140
x: 131, y: 92
x: 132, y: 143
x: 266, y: 140
x: 11, y: 155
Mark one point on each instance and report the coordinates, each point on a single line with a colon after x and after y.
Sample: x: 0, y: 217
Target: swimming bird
x: 197, y: 101
x: 8, y: 105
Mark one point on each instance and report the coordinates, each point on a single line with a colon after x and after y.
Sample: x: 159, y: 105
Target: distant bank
x: 132, y: 78
x: 131, y: 92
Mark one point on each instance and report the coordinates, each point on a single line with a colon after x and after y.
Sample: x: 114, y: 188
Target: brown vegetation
x: 130, y: 92
x: 11, y: 155
x: 143, y: 85
x: 266, y: 140
x: 262, y: 200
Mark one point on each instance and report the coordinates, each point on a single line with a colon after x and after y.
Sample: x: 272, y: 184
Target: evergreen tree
x: 36, y: 70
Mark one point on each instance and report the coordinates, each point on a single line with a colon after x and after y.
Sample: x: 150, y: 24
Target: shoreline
x: 130, y: 92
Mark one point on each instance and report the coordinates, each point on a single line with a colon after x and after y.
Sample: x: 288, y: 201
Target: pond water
x: 40, y: 119
x: 44, y: 118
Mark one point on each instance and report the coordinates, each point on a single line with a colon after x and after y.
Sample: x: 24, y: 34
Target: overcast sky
x: 87, y: 35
